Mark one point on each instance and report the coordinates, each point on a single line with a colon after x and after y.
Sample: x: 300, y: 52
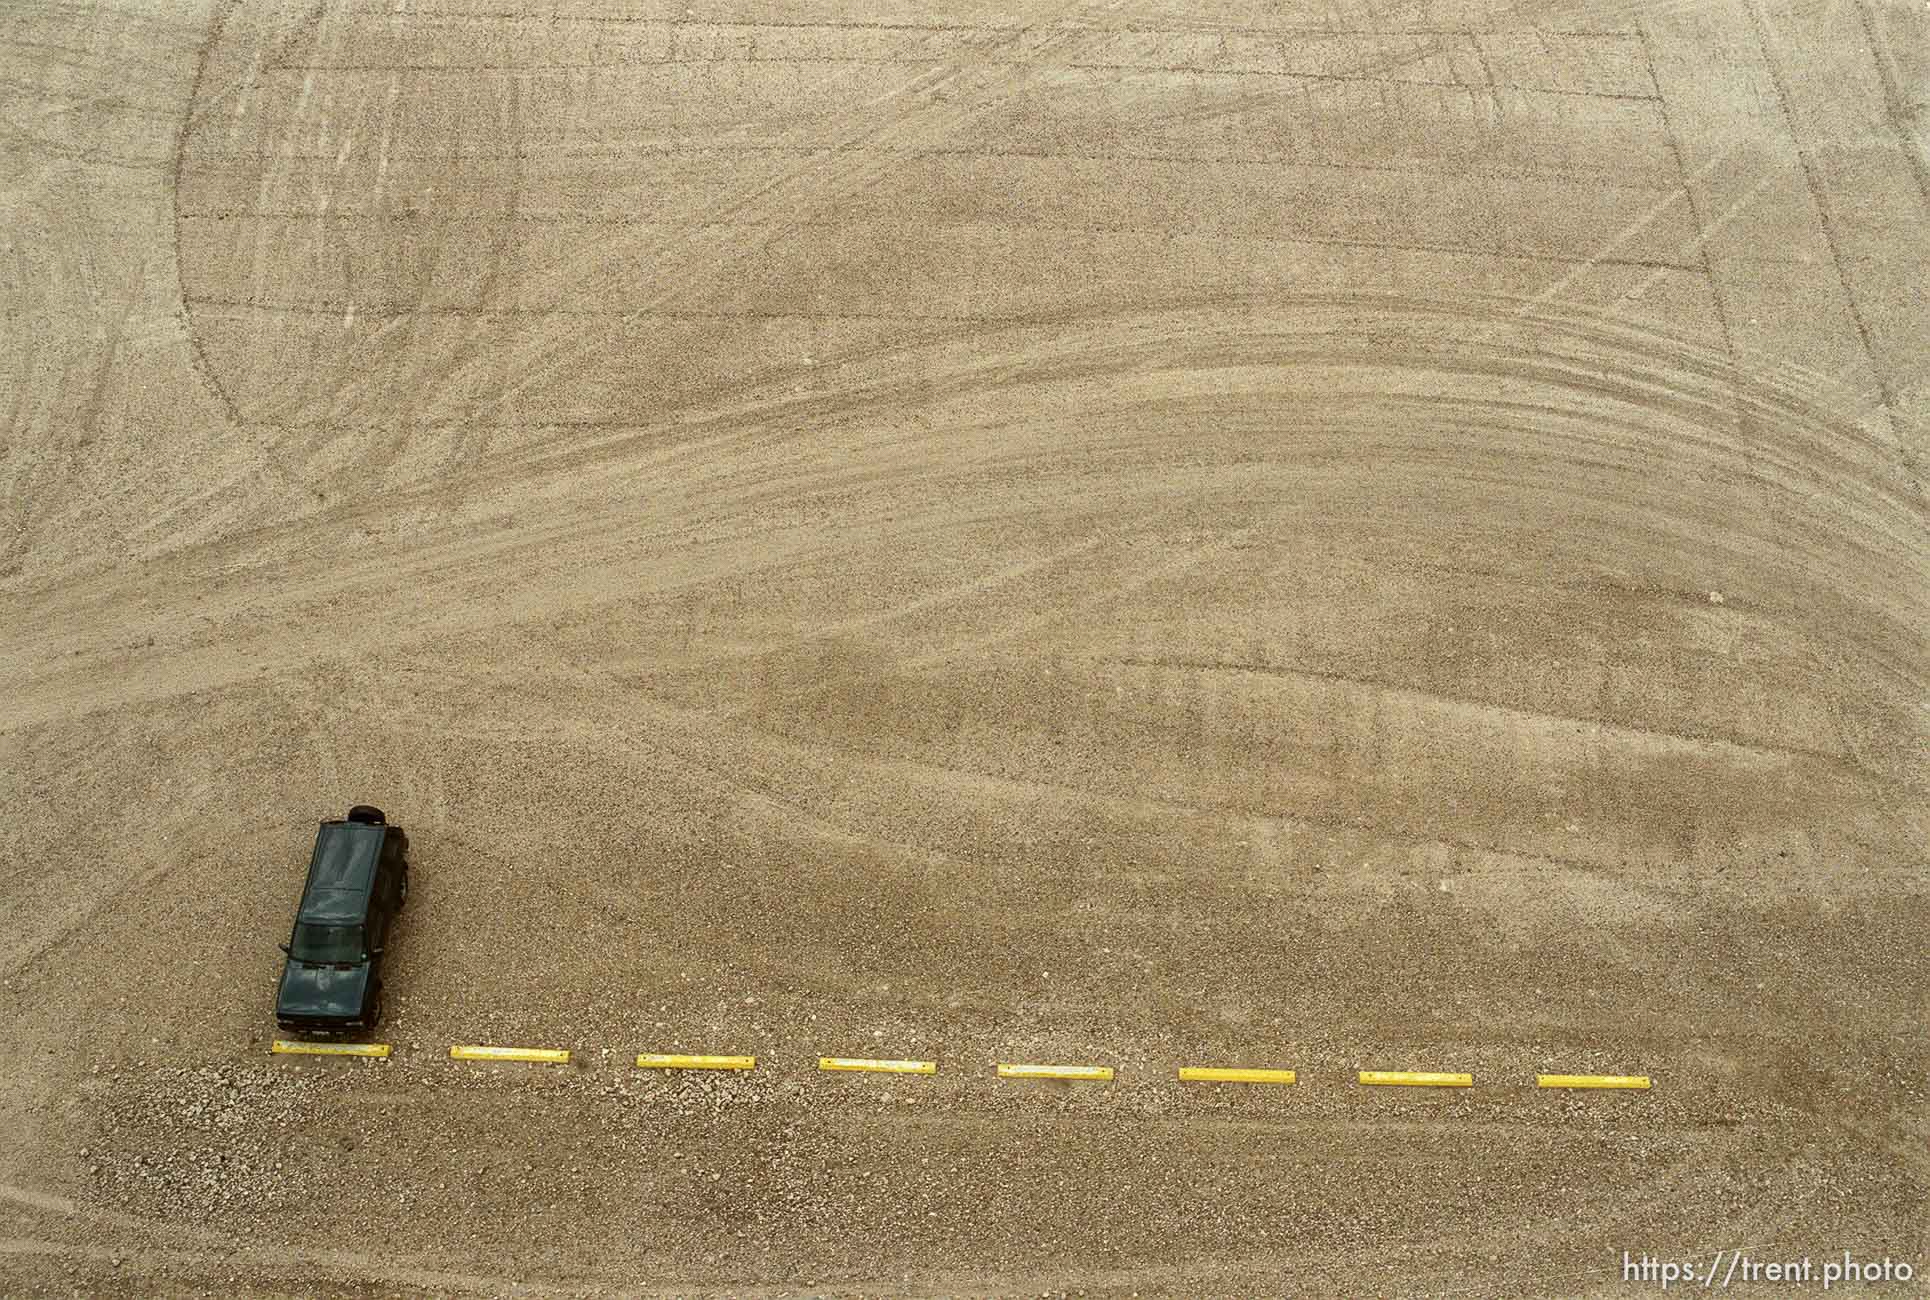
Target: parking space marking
x: 548, y: 1055
x: 877, y: 1067
x: 1093, y: 1073
x: 1214, y: 1074
x: 1417, y: 1079
x: 1006, y: 1070
x: 672, y: 1061
x: 282, y: 1047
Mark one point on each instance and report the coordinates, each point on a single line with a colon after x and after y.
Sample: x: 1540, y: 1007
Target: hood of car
x: 322, y: 992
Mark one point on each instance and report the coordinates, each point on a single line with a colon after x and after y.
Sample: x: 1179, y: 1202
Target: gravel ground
x: 1386, y: 538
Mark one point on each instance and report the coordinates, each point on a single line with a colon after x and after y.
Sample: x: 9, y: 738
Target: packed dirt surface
x: 1332, y: 537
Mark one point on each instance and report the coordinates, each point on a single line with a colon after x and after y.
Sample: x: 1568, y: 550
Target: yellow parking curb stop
x: 672, y: 1061
x: 1640, y: 1081
x: 550, y: 1055
x: 877, y: 1067
x: 1213, y: 1074
x: 1092, y: 1073
x: 282, y: 1047
x: 1417, y: 1079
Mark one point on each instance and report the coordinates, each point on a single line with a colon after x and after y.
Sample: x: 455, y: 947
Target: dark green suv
x: 357, y: 880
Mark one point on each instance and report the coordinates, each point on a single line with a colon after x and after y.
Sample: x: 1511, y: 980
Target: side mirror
x: 284, y: 950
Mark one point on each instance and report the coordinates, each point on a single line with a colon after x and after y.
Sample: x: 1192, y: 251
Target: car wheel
x: 367, y: 814
x: 402, y: 891
x: 374, y: 1016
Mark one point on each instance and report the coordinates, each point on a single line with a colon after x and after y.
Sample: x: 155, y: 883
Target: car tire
x: 374, y: 1016
x: 368, y: 815
x: 402, y: 890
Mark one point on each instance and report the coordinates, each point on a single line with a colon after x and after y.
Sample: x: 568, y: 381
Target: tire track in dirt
x: 187, y: 1244
x: 732, y: 473
x: 1775, y: 61
x: 859, y: 162
x: 197, y: 346
x: 49, y: 932
x: 539, y: 359
x: 1419, y: 52
x: 779, y: 762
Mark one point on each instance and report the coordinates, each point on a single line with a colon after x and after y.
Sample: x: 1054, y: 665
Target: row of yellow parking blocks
x: 1072, y: 1073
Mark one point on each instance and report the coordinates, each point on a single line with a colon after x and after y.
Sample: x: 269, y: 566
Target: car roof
x: 334, y: 907
x: 341, y: 871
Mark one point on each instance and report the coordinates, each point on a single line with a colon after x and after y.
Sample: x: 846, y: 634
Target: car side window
x: 383, y: 890
x: 379, y: 908
x: 391, y: 869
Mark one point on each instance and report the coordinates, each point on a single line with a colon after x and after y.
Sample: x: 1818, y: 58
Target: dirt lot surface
x: 1360, y: 535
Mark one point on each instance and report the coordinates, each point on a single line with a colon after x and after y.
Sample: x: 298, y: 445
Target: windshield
x: 324, y: 943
